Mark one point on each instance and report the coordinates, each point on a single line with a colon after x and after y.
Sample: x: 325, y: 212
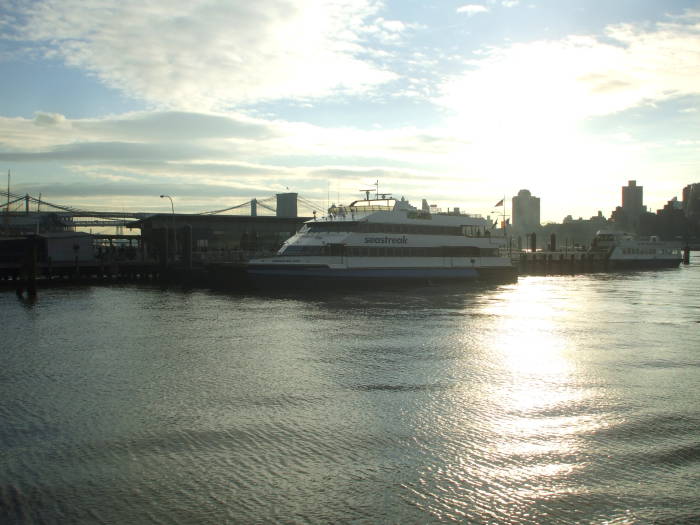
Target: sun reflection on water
x: 517, y: 434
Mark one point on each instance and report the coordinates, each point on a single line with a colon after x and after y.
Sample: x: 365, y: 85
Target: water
x: 553, y: 400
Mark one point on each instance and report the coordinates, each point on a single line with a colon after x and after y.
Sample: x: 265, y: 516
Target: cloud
x: 551, y: 82
x: 214, y: 53
x: 101, y: 151
x: 176, y: 125
x: 49, y: 119
x: 472, y: 9
x: 50, y: 130
x: 510, y: 3
x: 129, y: 189
x: 146, y: 151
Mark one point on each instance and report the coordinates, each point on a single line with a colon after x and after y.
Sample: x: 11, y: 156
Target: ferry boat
x: 626, y: 251
x: 382, y: 239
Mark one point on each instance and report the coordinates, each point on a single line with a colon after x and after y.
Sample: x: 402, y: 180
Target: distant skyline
x: 109, y: 104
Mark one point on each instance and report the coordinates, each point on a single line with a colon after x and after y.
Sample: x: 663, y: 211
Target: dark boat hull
x: 642, y: 264
x: 266, y: 276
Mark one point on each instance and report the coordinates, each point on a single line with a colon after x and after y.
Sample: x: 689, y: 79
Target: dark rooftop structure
x: 215, y: 237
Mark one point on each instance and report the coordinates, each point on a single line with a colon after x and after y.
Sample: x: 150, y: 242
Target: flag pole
x: 504, y: 216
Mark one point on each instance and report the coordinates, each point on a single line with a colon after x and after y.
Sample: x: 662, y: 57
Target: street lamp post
x: 172, y: 208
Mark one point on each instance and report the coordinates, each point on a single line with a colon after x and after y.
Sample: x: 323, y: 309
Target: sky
x: 105, y: 105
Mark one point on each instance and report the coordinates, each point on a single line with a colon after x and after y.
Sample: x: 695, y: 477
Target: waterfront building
x: 633, y: 202
x: 30, y: 223
x: 214, y: 237
x: 526, y: 212
x: 630, y: 214
x: 691, y: 202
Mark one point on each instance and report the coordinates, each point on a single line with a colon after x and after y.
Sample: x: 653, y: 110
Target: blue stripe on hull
x: 365, y: 273
x: 279, y: 277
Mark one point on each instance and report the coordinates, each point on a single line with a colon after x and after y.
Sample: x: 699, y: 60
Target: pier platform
x: 559, y: 262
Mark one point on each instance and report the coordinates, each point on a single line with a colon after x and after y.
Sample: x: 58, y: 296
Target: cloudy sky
x: 107, y: 104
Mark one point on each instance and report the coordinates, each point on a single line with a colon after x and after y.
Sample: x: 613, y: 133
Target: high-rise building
x: 691, y: 201
x: 633, y: 200
x: 526, y: 212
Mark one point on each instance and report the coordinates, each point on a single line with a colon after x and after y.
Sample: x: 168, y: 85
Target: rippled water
x: 553, y: 400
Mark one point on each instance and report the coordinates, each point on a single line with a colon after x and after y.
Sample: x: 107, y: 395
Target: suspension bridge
x: 73, y: 217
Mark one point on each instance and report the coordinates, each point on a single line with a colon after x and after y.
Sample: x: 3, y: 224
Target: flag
x: 499, y: 203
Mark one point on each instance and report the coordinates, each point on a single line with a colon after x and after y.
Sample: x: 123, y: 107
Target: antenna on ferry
x: 377, y: 185
x: 366, y: 192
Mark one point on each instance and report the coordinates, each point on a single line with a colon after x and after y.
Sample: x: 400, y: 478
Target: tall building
x: 526, y: 212
x: 691, y: 201
x: 633, y: 200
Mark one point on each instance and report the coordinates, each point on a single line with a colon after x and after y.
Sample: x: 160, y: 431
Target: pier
x: 559, y: 262
x: 200, y: 249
